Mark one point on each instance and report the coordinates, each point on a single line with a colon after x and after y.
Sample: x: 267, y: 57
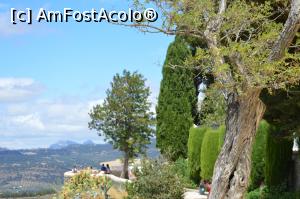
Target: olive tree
x: 247, y: 46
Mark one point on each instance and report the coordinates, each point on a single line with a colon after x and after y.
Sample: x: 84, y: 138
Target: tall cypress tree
x: 176, y: 101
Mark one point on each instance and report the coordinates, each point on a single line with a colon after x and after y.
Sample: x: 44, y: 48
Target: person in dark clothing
x: 202, y: 188
x: 108, y: 169
x: 103, y: 168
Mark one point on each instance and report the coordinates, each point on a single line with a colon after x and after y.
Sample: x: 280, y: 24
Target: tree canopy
x: 124, y: 118
x: 240, y: 37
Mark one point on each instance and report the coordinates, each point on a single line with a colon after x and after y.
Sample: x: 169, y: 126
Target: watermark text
x: 93, y: 15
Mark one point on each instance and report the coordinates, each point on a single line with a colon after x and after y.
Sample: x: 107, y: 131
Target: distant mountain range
x: 3, y: 149
x: 65, y: 143
x: 34, y: 170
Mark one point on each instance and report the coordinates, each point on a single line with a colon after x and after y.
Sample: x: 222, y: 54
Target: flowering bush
x: 85, y: 185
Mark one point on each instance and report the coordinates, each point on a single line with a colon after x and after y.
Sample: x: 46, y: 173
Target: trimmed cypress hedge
x: 271, y: 158
x: 278, y: 159
x: 211, y: 146
x: 259, y: 155
x: 271, y: 155
x: 194, y: 152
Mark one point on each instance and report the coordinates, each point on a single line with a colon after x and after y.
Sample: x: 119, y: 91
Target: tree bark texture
x: 288, y: 33
x: 233, y: 166
x: 125, y: 173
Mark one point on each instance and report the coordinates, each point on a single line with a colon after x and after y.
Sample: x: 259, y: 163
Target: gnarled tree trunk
x: 233, y: 166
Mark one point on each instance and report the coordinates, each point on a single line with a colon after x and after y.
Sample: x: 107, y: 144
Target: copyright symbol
x: 150, y: 14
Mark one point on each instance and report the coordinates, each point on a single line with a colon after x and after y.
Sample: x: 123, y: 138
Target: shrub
x: 259, y: 156
x: 158, y: 180
x: 255, y: 194
x: 211, y: 146
x: 84, y: 185
x: 273, y: 193
x: 278, y: 159
x: 180, y: 167
x: 27, y: 193
x: 194, y: 152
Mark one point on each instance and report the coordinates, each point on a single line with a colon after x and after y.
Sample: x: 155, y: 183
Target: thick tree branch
x: 288, y: 33
x: 236, y: 61
x: 211, y: 35
x: 222, y: 6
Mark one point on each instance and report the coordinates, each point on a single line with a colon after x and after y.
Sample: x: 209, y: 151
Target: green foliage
x: 23, y: 194
x: 284, y: 195
x: 255, y: 194
x: 271, y: 158
x: 213, y: 108
x: 274, y: 193
x: 259, y: 155
x: 176, y: 100
x: 180, y: 167
x: 157, y: 179
x: 194, y: 152
x: 245, y: 34
x: 282, y: 110
x: 278, y: 160
x: 211, y: 146
x: 124, y: 118
x: 84, y: 185
x: 273, y: 161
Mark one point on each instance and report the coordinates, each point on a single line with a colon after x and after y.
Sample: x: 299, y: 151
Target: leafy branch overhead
x: 240, y: 39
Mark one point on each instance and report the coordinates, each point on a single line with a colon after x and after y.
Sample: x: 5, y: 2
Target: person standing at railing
x: 103, y: 169
x: 108, y: 171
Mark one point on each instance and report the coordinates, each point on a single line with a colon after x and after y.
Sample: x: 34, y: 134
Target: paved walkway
x: 193, y: 194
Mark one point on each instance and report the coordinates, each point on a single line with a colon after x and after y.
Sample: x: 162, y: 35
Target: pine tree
x: 176, y: 101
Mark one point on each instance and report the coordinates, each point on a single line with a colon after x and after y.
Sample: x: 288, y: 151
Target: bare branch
x: 236, y: 60
x: 211, y: 34
x: 288, y: 33
x: 222, y: 7
x: 154, y: 29
x: 174, y: 66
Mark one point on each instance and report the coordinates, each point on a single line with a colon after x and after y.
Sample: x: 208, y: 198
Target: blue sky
x: 52, y: 74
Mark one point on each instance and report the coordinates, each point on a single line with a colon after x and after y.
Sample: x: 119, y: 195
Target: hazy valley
x: 41, y: 170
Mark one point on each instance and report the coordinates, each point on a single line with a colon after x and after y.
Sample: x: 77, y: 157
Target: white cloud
x: 28, y: 122
x: 17, y: 109
x: 31, y: 121
x: 12, y: 82
x: 39, y: 123
x: 18, y: 89
x: 57, y: 116
x: 67, y: 128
